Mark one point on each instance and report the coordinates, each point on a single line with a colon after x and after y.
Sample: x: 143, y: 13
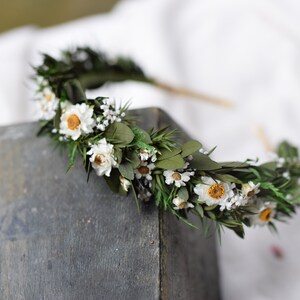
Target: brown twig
x: 192, y: 94
x: 261, y: 133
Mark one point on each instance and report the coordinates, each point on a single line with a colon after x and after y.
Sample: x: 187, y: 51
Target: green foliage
x: 119, y: 134
x: 69, y: 77
x: 126, y: 170
x: 183, y: 193
x: 171, y: 163
x: 74, y: 91
x: 287, y: 151
x: 203, y: 162
x: 190, y: 148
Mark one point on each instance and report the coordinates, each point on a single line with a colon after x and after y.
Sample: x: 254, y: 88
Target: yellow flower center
x: 216, y: 191
x: 143, y: 170
x: 176, y: 176
x: 48, y: 97
x: 266, y: 214
x: 251, y: 193
x: 98, y: 159
x: 182, y: 205
x: 73, y: 122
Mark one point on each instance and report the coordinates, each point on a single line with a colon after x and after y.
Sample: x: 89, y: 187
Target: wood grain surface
x: 61, y: 238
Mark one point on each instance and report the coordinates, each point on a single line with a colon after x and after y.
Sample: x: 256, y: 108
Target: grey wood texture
x: 61, y: 238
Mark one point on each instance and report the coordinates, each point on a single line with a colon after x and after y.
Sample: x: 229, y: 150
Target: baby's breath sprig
x: 181, y: 178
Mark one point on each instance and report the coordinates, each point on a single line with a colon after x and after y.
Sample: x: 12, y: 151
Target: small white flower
x: 239, y: 200
x: 145, y: 154
x: 203, y: 151
x: 286, y: 175
x: 180, y: 203
x: 214, y: 192
x: 76, y: 120
x: 125, y: 183
x: 178, y: 178
x: 250, y: 189
x: 225, y: 205
x: 109, y: 115
x: 102, y: 157
x: 48, y: 104
x: 265, y: 212
x: 101, y: 127
x: 144, y: 170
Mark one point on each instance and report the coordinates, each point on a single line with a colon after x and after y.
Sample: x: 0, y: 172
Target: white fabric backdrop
x: 247, y: 51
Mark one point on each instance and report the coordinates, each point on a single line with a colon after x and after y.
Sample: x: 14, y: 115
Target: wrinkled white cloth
x: 246, y: 51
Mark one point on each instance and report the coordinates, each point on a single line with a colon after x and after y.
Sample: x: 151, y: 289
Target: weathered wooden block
x: 61, y: 238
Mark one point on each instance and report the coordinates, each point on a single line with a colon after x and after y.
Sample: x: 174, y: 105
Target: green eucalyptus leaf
x: 133, y: 158
x: 126, y: 170
x: 119, y: 133
x: 233, y: 164
x: 190, y: 147
x: 113, y: 181
x: 239, y: 230
x: 166, y: 154
x: 228, y: 178
x: 202, y: 162
x: 209, y: 208
x: 270, y: 165
x: 212, y: 215
x: 171, y: 163
x: 74, y: 91
x: 183, y: 193
x: 118, y: 154
x: 56, y: 120
x: 286, y: 150
x: 200, y: 210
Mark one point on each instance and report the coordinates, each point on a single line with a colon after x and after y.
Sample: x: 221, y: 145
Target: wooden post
x: 63, y: 238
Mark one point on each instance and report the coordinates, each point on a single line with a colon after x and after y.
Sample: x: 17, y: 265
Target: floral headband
x: 182, y: 179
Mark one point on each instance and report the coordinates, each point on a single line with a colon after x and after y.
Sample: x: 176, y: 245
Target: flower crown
x: 181, y: 178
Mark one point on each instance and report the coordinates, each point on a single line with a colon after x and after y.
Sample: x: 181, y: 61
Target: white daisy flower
x: 76, y: 120
x: 102, y: 157
x: 250, y: 189
x: 265, y: 213
x: 181, y: 204
x: 144, y: 170
x: 214, y: 192
x: 125, y: 183
x: 48, y: 104
x: 178, y: 178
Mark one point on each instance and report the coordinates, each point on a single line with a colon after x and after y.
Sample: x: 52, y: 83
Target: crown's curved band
x: 180, y: 178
